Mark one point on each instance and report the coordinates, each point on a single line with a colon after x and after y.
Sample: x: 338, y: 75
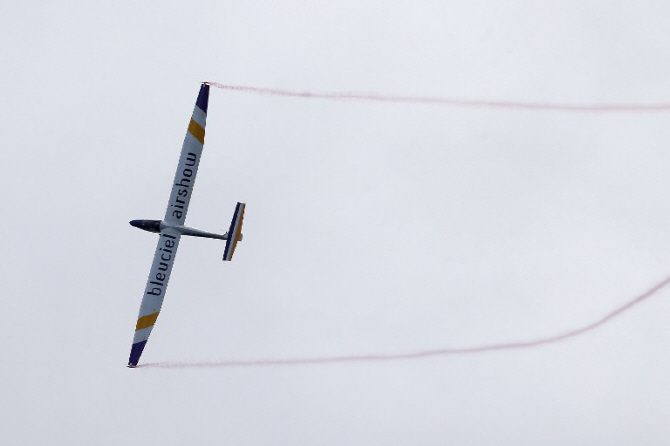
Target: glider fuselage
x: 157, y: 226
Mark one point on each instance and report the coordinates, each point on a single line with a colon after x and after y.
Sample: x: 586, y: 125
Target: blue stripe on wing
x: 203, y: 97
x: 135, y: 353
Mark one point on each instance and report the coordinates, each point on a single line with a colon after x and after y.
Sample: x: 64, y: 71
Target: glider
x: 171, y: 228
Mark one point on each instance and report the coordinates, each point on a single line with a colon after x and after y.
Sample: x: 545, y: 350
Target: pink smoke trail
x: 447, y: 101
x: 423, y: 353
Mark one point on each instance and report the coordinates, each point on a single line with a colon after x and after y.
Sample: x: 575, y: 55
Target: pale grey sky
x: 370, y: 228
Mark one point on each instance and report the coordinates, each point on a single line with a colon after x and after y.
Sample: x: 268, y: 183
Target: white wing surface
x: 184, y: 178
x: 168, y: 240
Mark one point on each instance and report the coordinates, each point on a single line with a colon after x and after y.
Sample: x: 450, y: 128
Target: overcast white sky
x: 370, y: 228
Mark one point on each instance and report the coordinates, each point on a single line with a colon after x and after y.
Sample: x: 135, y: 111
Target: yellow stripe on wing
x: 197, y: 131
x: 146, y: 321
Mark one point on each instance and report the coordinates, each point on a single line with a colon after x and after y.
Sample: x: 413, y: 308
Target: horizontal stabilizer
x: 235, y: 232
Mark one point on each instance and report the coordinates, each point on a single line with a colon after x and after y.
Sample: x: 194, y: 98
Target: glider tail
x: 234, y: 234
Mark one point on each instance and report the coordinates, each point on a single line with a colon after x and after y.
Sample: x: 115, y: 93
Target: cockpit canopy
x: 147, y: 225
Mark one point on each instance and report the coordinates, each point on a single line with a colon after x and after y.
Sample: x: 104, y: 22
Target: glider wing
x: 168, y: 241
x: 184, y: 178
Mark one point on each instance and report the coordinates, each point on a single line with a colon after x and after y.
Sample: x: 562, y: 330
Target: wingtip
x: 135, y: 353
x: 203, y: 97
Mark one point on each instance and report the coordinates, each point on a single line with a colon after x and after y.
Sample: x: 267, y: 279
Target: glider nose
x: 147, y: 225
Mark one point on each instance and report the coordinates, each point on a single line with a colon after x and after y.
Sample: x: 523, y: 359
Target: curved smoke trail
x: 450, y: 102
x: 423, y: 353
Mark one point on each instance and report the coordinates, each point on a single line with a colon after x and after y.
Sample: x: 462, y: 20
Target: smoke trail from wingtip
x: 485, y: 103
x: 422, y: 353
